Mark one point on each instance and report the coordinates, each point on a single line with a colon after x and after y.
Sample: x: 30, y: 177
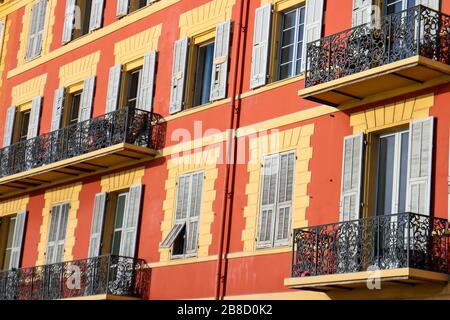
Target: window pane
x: 24, y: 126
x: 403, y: 172
x: 203, y: 75
x: 287, y: 54
x: 133, y: 87
x: 116, y: 243
x: 120, y: 210
x: 75, y: 109
x: 385, y: 175
x: 288, y: 37
x: 286, y: 71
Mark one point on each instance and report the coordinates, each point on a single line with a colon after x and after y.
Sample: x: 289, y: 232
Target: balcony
x: 397, y: 54
x: 102, y: 278
x: 405, y: 248
x: 108, y: 142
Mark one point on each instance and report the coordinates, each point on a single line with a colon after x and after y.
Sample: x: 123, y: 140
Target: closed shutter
x: 313, y: 25
x: 220, y: 68
x: 418, y: 195
x: 433, y: 4
x: 145, y: 96
x: 352, y: 178
x: 35, y: 113
x: 131, y: 222
x: 115, y: 75
x: 9, y: 126
x: 57, y: 234
x: 97, y: 225
x: 362, y: 10
x: 17, y: 244
x: 36, y: 31
x: 58, y: 105
x: 87, y: 99
x: 69, y: 21
x: 96, y: 18
x: 192, y: 226
x: 122, y: 7
x: 178, y: 75
x: 261, y: 41
x: 268, y: 201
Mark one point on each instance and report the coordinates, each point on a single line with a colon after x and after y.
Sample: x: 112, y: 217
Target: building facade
x: 224, y: 149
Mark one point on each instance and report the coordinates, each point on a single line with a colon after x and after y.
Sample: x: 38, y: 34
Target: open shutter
x: 194, y: 212
x: 58, y: 105
x: 69, y: 21
x: 9, y: 126
x: 261, y: 40
x: 268, y: 201
x: 131, y: 222
x: 362, y: 10
x: 115, y: 75
x: 173, y: 235
x: 17, y: 244
x: 313, y: 25
x: 122, y: 7
x: 145, y: 96
x: 420, y: 166
x: 220, y: 68
x: 178, y: 75
x: 97, y: 225
x: 96, y: 18
x: 433, y: 4
x: 36, y: 30
x: 352, y: 178
x: 35, y: 113
x: 87, y: 99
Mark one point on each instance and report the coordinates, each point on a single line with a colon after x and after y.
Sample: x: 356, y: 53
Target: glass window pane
x: 385, y: 175
x: 289, y: 19
x: 203, y: 74
x: 286, y: 71
x: 288, y: 37
x: 116, y: 243
x: 287, y: 54
x: 120, y: 210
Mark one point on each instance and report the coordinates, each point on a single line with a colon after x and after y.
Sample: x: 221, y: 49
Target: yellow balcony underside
x: 379, y: 83
x: 100, y: 161
x: 349, y: 281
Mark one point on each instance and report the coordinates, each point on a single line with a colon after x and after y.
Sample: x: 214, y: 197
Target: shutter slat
x: 178, y: 75
x: 173, y: 235
x: 9, y: 126
x: 145, y: 96
x: 18, y: 237
x: 96, y: 18
x: 97, y: 225
x: 131, y: 221
x: 313, y: 25
x: 220, y: 65
x: 362, y: 10
x: 69, y: 21
x: 433, y: 4
x: 87, y: 99
x: 40, y: 28
x: 35, y: 113
x: 122, y: 7
x: 58, y: 105
x: 115, y: 75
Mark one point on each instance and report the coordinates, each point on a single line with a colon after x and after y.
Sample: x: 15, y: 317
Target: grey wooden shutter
x: 96, y: 17
x: 115, y: 75
x: 352, y: 167
x: 97, y: 225
x: 145, y: 95
x: 17, y: 244
x: 58, y: 105
x: 87, y: 99
x: 131, y: 221
x: 173, y: 235
x: 178, y: 75
x: 220, y: 66
x: 285, y: 192
x: 313, y: 25
x: 433, y: 4
x: 57, y: 234
x: 195, y: 201
x: 69, y: 21
x: 9, y: 126
x: 36, y: 30
x: 261, y: 44
x: 122, y: 7
x: 418, y: 192
x: 267, y: 210
x: 362, y: 10
x: 35, y: 113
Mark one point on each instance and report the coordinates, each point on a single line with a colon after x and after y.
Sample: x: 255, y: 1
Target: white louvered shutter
x: 268, y: 201
x: 58, y: 104
x: 180, y: 56
x: 9, y: 126
x: 112, y: 100
x: 362, y: 10
x: 35, y: 113
x: 352, y: 167
x: 17, y: 244
x: 131, y: 221
x: 418, y: 192
x: 97, y: 225
x: 87, y: 99
x: 313, y: 25
x: 220, y: 65
x: 261, y: 41
x: 122, y: 7
x: 195, y: 202
x: 57, y: 234
x: 145, y: 95
x: 96, y: 18
x: 36, y: 31
x: 69, y: 21
x: 433, y: 4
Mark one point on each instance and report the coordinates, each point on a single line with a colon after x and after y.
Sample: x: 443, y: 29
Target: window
x: 36, y: 30
x: 133, y: 86
x: 21, y: 126
x: 57, y: 234
x: 128, y: 6
x: 73, y: 111
x: 85, y: 7
x: 203, y: 74
x: 118, y: 223
x: 291, y: 43
x: 137, y: 4
x: 7, y: 227
x: 183, y: 238
x: 274, y: 228
x: 396, y: 6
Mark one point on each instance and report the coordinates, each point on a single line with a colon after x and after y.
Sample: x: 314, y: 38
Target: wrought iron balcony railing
x: 418, y: 31
x: 385, y: 242
x: 126, y: 125
x: 105, y: 275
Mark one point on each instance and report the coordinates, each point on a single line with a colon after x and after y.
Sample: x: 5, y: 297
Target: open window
x: 125, y: 7
x: 201, y: 68
x: 133, y: 80
x: 72, y: 110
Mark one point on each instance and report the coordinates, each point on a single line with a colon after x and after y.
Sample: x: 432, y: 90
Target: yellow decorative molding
x: 298, y: 139
x: 3, y: 47
x: 205, y: 160
x: 13, y: 206
x: 26, y: 20
x: 122, y: 180
x: 78, y: 70
x: 67, y: 194
x: 394, y: 114
x: 205, y: 17
x: 26, y: 91
x: 136, y: 46
x: 49, y: 24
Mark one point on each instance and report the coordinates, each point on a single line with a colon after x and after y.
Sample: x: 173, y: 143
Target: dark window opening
x: 203, y: 74
x: 134, y: 79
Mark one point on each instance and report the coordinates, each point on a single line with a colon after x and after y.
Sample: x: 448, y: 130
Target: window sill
x: 273, y: 85
x: 261, y: 252
x: 197, y: 109
x: 182, y: 261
